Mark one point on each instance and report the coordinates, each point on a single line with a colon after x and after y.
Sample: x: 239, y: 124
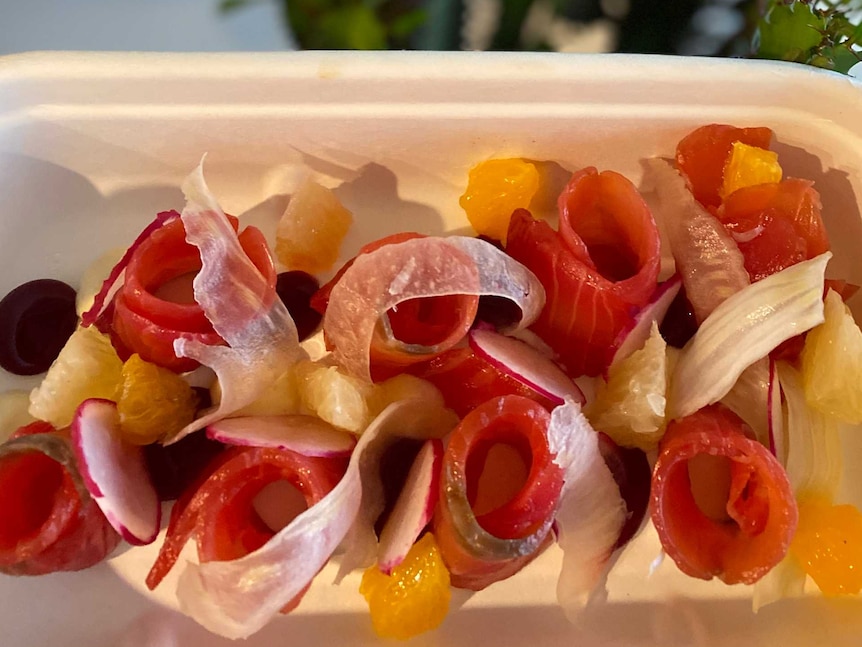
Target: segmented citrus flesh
x: 154, y: 403
x: 494, y: 190
x: 749, y: 166
x: 630, y: 407
x: 87, y: 367
x: 310, y: 232
x: 414, y: 598
x: 832, y: 363
x: 333, y: 396
x: 828, y: 545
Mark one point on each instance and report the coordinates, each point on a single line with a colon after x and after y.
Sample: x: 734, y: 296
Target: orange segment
x: 828, y: 545
x: 749, y: 166
x: 414, y: 598
x: 495, y: 189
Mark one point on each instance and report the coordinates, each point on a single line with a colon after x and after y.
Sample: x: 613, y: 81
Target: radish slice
x: 777, y: 441
x: 115, y: 472
x: 115, y: 279
x: 414, y: 507
x: 306, y: 435
x: 525, y: 364
x: 634, y: 336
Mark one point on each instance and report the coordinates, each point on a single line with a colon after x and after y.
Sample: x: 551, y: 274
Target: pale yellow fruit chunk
x: 310, y: 232
x: 402, y: 387
x: 87, y: 367
x: 339, y: 399
x: 832, y: 363
x: 631, y: 406
x: 14, y: 412
x: 280, y: 398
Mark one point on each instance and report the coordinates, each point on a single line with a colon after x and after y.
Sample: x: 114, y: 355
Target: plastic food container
x: 92, y: 145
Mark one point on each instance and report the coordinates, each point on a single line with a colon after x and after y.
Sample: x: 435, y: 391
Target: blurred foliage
x: 825, y: 34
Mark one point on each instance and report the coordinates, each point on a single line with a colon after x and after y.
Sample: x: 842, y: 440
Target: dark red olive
x: 295, y: 288
x: 679, y: 324
x: 633, y: 476
x: 174, y: 468
x: 36, y: 320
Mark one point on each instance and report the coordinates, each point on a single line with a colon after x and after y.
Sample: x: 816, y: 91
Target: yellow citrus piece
x: 14, y: 412
x: 331, y: 395
x: 280, y: 398
x: 832, y: 363
x: 154, y: 404
x: 828, y: 545
x: 748, y: 166
x: 87, y: 367
x: 414, y: 598
x: 495, y: 189
x: 631, y: 406
x: 402, y: 387
x: 310, y: 232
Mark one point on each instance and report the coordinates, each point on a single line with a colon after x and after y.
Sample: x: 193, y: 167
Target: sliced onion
x: 592, y: 511
x: 814, y: 455
x: 115, y: 278
x: 707, y: 257
x: 749, y: 399
x: 419, y: 268
x: 525, y: 364
x: 115, y: 472
x: 785, y: 580
x: 636, y: 334
x: 306, y: 435
x: 777, y: 431
x: 237, y: 598
x: 744, y: 329
x: 262, y: 339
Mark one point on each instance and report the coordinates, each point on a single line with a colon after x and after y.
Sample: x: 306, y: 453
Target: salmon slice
x: 598, y: 270
x: 721, y: 502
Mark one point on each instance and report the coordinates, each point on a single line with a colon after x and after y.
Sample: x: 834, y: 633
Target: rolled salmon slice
x: 721, y: 502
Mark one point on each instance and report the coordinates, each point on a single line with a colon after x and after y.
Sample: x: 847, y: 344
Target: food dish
x: 521, y: 138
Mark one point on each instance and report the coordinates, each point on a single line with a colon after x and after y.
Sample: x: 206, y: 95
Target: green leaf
x: 788, y: 31
x: 352, y: 27
x: 404, y: 25
x: 227, y: 6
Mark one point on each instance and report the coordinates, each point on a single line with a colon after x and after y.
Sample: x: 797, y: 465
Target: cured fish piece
x: 598, y: 270
x: 721, y: 502
x: 499, y: 491
x: 48, y: 520
x: 702, y: 154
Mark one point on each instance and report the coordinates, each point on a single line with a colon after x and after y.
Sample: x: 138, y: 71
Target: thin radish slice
x: 414, y: 507
x: 306, y: 435
x: 777, y: 440
x: 634, y: 336
x: 115, y: 472
x: 115, y: 278
x: 525, y: 364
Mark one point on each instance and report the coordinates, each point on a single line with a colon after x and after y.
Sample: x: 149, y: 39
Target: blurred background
x: 819, y: 33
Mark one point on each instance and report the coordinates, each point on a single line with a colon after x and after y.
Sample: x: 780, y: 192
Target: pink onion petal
x: 237, y: 598
x: 414, y: 507
x: 116, y: 277
x: 306, y: 435
x: 707, y: 257
x: 417, y: 268
x: 411, y: 418
x: 525, y: 364
x: 261, y: 336
x: 115, y: 472
x: 635, y: 335
x: 592, y: 512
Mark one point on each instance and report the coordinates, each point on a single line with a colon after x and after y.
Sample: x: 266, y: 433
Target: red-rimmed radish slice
x: 634, y: 336
x: 414, y: 507
x: 777, y: 439
x: 306, y: 435
x: 525, y: 364
x: 115, y: 472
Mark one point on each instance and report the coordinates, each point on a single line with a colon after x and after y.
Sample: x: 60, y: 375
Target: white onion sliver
x: 592, y: 511
x: 785, y: 580
x: 814, y: 454
x: 261, y: 336
x: 777, y: 428
x: 744, y: 329
x: 749, y: 399
x: 418, y: 268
